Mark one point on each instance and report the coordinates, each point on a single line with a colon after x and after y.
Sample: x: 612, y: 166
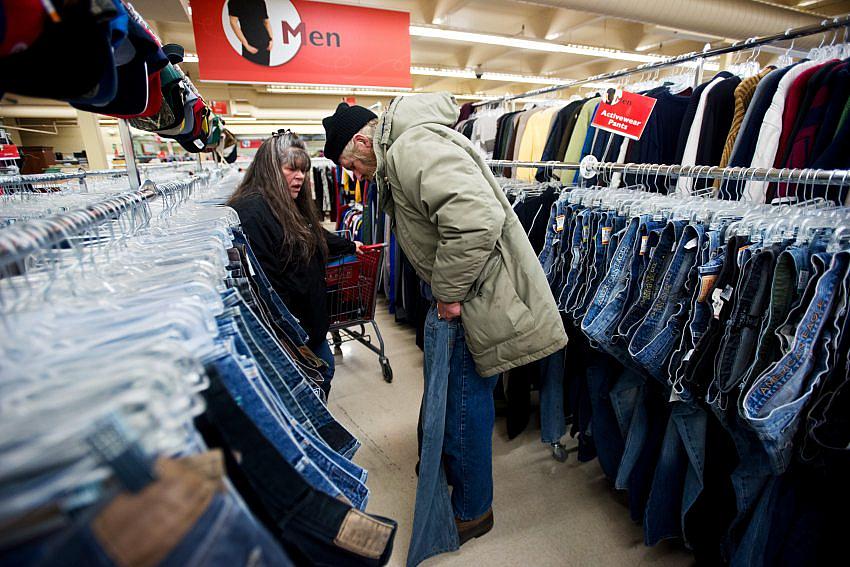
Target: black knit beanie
x: 342, y: 126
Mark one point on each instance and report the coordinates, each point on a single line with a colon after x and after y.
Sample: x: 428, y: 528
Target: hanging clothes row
x: 324, y: 187
x: 794, y: 116
x: 170, y: 399
x: 708, y: 368
x: 532, y: 203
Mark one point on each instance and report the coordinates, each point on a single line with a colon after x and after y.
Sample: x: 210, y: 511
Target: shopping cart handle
x: 371, y: 247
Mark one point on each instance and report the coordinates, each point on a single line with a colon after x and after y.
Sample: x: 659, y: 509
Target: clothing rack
x: 591, y: 168
x: 790, y: 34
x: 81, y: 175
x: 24, y: 238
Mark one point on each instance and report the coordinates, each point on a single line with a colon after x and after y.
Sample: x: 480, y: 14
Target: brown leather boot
x: 468, y: 529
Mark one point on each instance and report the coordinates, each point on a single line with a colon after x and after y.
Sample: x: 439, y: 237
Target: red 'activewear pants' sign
x: 9, y: 151
x: 296, y: 41
x: 219, y: 107
x: 624, y: 113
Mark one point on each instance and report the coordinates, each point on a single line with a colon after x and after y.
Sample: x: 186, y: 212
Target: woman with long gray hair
x: 278, y: 215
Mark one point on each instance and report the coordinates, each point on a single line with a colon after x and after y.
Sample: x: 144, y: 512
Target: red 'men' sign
x: 296, y: 41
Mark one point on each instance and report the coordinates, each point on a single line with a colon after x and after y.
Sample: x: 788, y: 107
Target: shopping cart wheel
x: 387, y: 370
x: 337, y: 339
x: 559, y: 452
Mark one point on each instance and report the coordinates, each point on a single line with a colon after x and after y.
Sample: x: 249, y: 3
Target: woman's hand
x: 358, y: 248
x: 250, y: 48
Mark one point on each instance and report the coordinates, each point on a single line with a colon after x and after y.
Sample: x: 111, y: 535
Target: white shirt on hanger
x: 771, y: 131
x: 484, y: 131
x: 685, y: 184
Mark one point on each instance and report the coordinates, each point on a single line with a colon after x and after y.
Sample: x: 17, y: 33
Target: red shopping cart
x: 352, y: 283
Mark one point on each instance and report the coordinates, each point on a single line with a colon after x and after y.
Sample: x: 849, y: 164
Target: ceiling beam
x: 429, y: 82
x: 444, y: 9
x: 556, y: 31
x: 541, y: 20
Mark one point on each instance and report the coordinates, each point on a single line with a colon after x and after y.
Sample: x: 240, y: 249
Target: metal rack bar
x: 83, y: 174
x: 839, y: 177
x: 21, y: 239
x: 790, y: 34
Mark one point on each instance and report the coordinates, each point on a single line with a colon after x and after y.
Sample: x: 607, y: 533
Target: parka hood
x: 404, y: 113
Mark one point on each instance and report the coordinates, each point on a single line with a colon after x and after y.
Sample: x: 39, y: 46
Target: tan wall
x: 67, y: 141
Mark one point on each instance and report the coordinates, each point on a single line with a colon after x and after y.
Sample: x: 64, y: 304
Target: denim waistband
x: 654, y: 339
x: 698, y: 370
x: 605, y: 310
x: 702, y: 281
x: 747, y: 318
x: 773, y: 403
x: 827, y: 418
x: 790, y: 277
x: 655, y: 250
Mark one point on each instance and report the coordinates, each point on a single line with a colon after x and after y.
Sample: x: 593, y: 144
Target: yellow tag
x: 706, y: 283
x: 559, y: 223
x: 606, y: 234
x: 644, y: 244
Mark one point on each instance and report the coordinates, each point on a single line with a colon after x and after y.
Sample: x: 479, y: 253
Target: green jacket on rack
x: 459, y: 231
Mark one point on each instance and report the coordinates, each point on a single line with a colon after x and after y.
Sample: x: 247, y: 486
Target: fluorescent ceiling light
x: 262, y: 120
x: 335, y: 90
x: 530, y: 44
x: 190, y: 58
x: 339, y: 90
x: 647, y: 47
x: 485, y: 76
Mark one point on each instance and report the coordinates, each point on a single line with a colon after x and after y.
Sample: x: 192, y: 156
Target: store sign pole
x: 129, y: 154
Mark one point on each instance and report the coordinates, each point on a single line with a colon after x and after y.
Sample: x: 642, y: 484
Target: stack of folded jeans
x: 712, y: 369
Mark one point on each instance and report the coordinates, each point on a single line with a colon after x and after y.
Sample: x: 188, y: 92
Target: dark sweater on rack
x: 301, y: 285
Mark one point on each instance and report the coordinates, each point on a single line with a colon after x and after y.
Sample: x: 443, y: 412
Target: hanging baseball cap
x: 342, y: 126
x: 215, y: 133
x: 228, y: 146
x: 77, y: 35
x: 139, y: 60
x: 170, y: 114
x: 21, y: 24
x: 197, y: 140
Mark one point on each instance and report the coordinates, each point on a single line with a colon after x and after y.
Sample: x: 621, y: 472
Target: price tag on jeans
x: 717, y: 303
x: 559, y: 223
x: 644, y: 245
x: 606, y: 234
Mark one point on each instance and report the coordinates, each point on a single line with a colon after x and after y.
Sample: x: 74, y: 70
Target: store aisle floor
x: 546, y: 513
